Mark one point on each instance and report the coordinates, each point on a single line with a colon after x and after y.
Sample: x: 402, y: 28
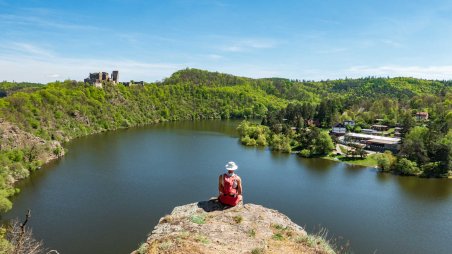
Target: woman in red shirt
x: 230, y: 186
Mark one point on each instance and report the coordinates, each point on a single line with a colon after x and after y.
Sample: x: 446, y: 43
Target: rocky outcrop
x: 209, y: 227
x: 35, y: 148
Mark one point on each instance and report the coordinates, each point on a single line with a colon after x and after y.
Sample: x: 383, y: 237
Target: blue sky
x: 51, y: 40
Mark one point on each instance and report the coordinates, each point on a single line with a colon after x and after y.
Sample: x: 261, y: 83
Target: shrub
x: 246, y: 140
x: 305, y: 153
x: 406, y: 167
x: 431, y: 169
x: 18, y: 171
x: 261, y: 140
x: 280, y: 142
x: 386, y: 161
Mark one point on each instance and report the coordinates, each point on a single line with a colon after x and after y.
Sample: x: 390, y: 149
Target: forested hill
x: 313, y: 91
x: 7, y: 88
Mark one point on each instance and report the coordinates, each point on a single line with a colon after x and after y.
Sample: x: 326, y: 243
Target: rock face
x: 11, y: 137
x: 209, y: 227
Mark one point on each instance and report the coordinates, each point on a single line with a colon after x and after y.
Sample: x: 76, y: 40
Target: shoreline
x: 52, y: 158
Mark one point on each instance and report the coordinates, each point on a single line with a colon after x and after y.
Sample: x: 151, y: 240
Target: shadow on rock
x: 212, y: 205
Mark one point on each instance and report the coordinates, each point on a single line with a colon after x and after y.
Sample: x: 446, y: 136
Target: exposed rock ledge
x: 12, y: 137
x: 208, y: 227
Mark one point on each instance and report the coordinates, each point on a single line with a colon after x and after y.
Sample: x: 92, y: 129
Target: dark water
x: 109, y: 191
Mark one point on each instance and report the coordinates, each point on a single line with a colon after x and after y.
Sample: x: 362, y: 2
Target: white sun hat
x: 231, y: 166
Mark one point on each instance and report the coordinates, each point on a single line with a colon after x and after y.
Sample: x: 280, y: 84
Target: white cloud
x: 332, y: 50
x: 427, y: 72
x: 214, y: 56
x: 29, y: 20
x: 249, y: 44
x: 28, y: 49
x: 23, y: 68
x: 391, y: 43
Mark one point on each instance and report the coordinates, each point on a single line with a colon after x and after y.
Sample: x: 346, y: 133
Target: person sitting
x: 230, y: 186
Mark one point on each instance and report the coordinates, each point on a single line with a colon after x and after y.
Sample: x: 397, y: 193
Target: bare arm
x: 239, y: 186
x: 220, y: 184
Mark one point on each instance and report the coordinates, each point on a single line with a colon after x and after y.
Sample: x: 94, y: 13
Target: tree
x: 386, y: 161
x: 404, y: 166
x: 323, y: 144
x: 406, y: 122
x: 414, y: 145
x: 281, y: 142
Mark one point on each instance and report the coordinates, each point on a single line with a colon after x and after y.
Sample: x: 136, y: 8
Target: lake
x: 110, y: 190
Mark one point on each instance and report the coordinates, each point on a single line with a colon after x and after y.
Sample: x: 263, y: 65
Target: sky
x: 44, y: 41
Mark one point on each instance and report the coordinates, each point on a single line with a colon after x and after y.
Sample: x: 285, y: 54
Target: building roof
x: 373, y: 137
x: 385, y: 142
x: 422, y: 114
x: 380, y: 126
x: 370, y: 131
x: 339, y: 125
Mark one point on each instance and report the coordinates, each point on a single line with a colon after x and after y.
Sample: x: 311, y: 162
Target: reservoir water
x: 110, y: 190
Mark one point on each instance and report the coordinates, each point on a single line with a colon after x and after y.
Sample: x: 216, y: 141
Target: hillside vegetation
x: 60, y: 111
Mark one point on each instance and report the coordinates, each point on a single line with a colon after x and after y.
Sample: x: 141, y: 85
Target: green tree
x: 281, y: 142
x: 322, y: 144
x: 386, y: 161
x: 414, y: 145
x: 404, y: 166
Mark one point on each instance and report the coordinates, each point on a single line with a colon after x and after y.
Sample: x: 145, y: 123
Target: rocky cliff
x: 20, y: 151
x: 209, y: 227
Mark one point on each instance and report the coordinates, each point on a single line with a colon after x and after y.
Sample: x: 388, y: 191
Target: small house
x: 380, y: 127
x: 339, y: 129
x: 351, y: 123
x: 421, y: 116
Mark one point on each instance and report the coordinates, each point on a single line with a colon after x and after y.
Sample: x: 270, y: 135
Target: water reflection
x: 275, y: 155
x: 424, y: 189
x: 318, y: 166
x: 218, y: 127
x: 383, y: 177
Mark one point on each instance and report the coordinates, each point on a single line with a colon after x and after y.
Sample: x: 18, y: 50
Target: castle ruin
x: 97, y: 78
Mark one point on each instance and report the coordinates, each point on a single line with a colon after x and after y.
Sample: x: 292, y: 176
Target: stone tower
x: 114, y: 76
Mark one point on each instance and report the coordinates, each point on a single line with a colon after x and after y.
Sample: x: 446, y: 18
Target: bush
x: 305, y: 153
x: 404, y: 166
x: 5, y: 203
x: 18, y: 171
x: 280, y: 142
x: 246, y: 140
x: 358, y: 129
x: 323, y: 144
x: 386, y: 161
x: 431, y: 169
x: 261, y: 140
x: 254, y: 131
